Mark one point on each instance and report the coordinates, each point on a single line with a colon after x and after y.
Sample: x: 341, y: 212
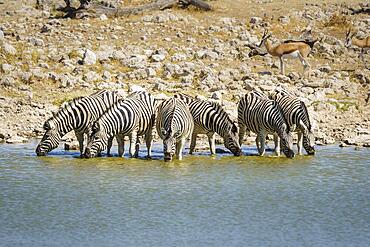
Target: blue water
x: 62, y: 200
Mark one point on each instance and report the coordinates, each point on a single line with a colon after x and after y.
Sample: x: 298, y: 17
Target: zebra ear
x: 164, y: 132
x: 46, y: 126
x: 235, y: 128
x: 96, y: 127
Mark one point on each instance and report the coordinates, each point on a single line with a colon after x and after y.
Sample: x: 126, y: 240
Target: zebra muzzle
x: 40, y: 152
x: 168, y: 156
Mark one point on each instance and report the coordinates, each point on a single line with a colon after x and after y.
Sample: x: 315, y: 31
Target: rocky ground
x: 46, y: 59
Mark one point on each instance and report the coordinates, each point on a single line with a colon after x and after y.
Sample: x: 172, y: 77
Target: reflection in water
x: 201, y: 201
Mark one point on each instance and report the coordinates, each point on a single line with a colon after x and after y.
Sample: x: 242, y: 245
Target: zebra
x: 210, y: 118
x: 133, y: 117
x: 296, y: 114
x: 264, y: 116
x: 77, y: 115
x: 174, y: 125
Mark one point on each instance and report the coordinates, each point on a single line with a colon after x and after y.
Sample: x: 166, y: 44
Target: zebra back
x: 208, y: 115
x: 294, y: 110
x: 174, y: 119
x: 255, y: 113
x: 79, y: 113
x: 137, y: 111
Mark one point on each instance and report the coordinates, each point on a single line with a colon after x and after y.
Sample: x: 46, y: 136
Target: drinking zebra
x: 174, y: 125
x: 210, y: 118
x: 131, y: 117
x: 263, y: 116
x: 297, y: 117
x: 77, y: 115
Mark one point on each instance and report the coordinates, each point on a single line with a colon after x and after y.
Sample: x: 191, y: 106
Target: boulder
x: 89, y: 57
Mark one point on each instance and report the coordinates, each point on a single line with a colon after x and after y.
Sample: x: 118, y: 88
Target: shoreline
x: 46, y: 61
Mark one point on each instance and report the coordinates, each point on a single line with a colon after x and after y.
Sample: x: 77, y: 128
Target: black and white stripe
x: 210, y: 118
x: 263, y: 116
x: 174, y: 125
x: 297, y: 117
x: 131, y: 117
x: 77, y: 115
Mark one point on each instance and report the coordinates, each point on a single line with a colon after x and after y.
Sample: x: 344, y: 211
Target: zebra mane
x: 65, y: 106
x: 185, y: 97
x: 277, y: 105
x: 303, y: 105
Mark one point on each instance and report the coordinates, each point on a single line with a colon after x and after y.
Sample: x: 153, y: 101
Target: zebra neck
x: 65, y: 123
x: 223, y: 128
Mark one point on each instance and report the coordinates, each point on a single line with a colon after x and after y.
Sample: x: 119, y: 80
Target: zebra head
x: 287, y: 142
x: 231, y: 140
x: 50, y: 140
x: 309, y: 143
x: 98, y: 141
x: 169, y: 143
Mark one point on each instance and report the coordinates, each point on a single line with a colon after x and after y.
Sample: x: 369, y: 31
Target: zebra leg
x: 121, y: 145
x: 148, y: 142
x: 193, y: 142
x: 277, y: 144
x: 260, y: 141
x: 300, y: 142
x: 80, y: 139
x: 241, y: 134
x: 110, y: 143
x: 132, y: 137
x: 179, y: 147
x: 137, y: 147
x: 211, y: 140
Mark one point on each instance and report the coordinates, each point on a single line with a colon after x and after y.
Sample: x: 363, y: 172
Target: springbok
x: 288, y: 49
x: 364, y: 44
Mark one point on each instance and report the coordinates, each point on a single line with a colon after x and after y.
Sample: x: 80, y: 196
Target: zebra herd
x: 103, y: 116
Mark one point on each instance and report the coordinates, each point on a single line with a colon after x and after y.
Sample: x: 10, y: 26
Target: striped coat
x: 131, y: 117
x: 210, y: 118
x: 77, y: 115
x: 174, y: 125
x: 297, y: 117
x: 263, y: 116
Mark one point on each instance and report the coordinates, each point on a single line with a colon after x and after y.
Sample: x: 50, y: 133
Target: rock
x: 46, y: 28
x: 89, y: 57
x: 9, y: 49
x: 227, y: 21
x: 7, y: 81
x: 103, y: 17
x: 7, y: 67
x: 343, y: 145
x: 16, y: 139
x: 255, y: 20
x: 36, y: 41
x: 136, y: 88
x: 2, y: 36
x: 159, y: 87
x: 284, y: 19
x: 73, y: 145
x: 107, y: 75
x: 158, y: 57
x: 150, y: 72
x: 91, y: 76
x: 325, y: 68
x: 357, y: 140
x: 216, y: 95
